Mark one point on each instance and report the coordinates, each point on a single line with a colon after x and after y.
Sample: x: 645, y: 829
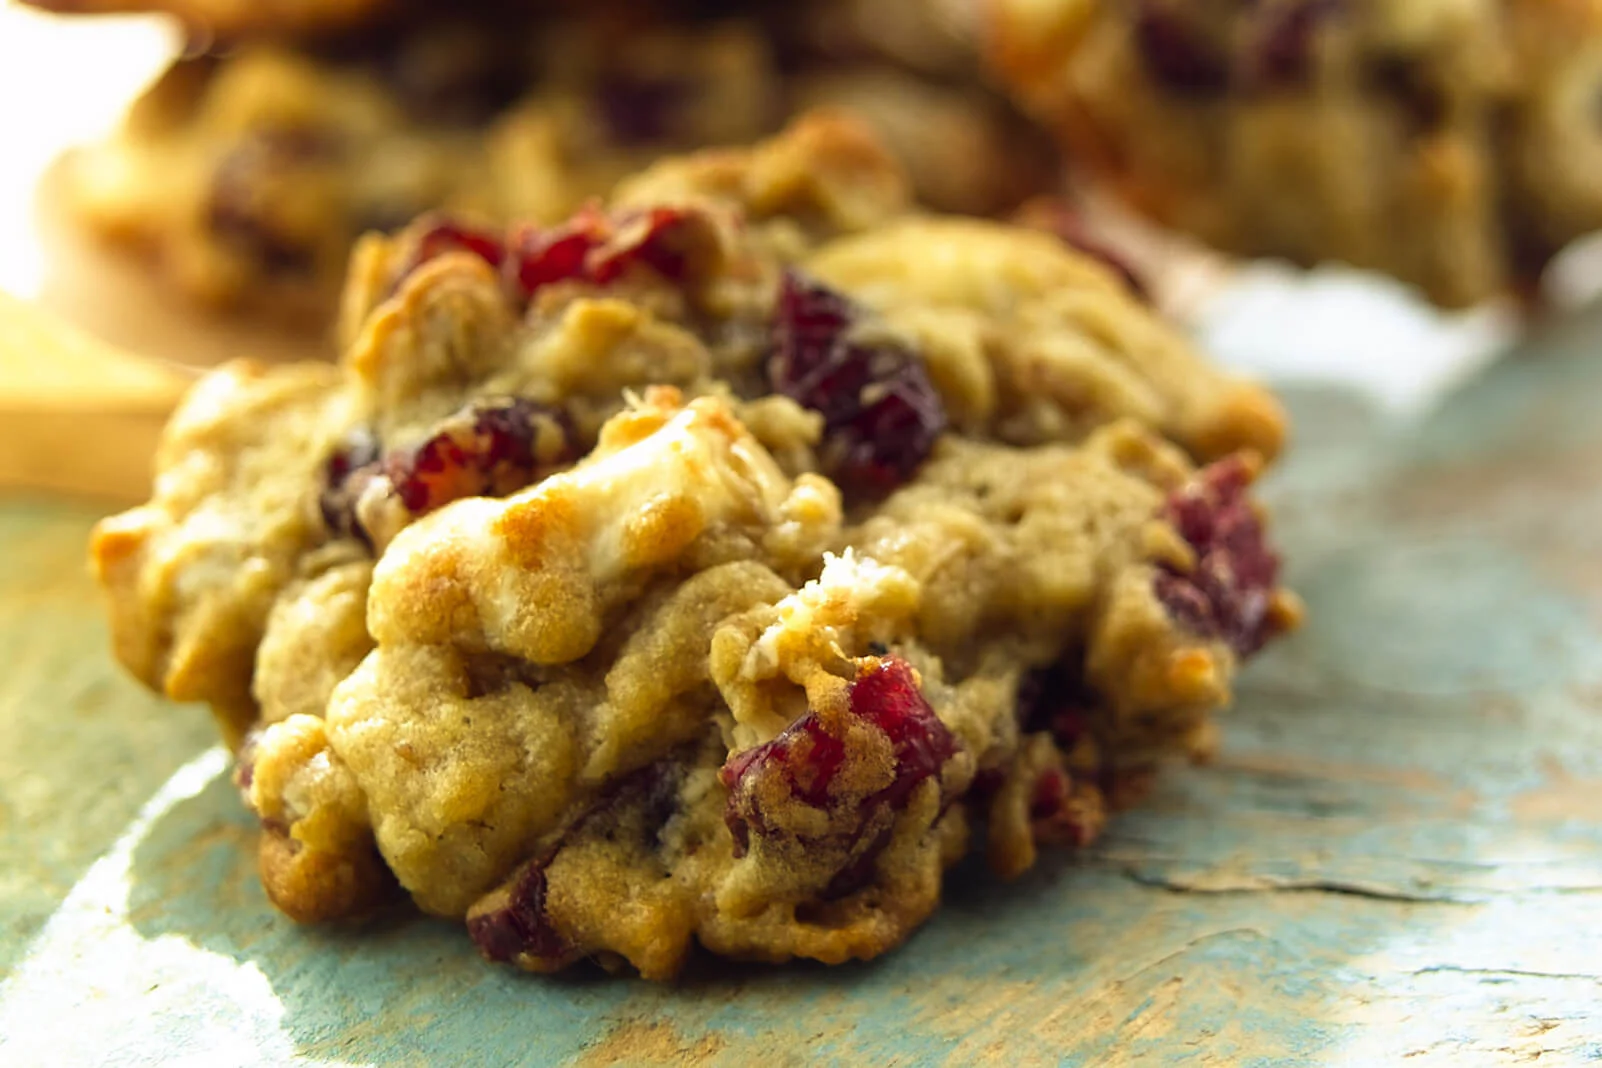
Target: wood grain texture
x: 1396, y: 859
x: 78, y: 415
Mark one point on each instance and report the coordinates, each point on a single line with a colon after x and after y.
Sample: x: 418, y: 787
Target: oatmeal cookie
x: 1447, y: 143
x: 704, y: 568
x: 247, y: 177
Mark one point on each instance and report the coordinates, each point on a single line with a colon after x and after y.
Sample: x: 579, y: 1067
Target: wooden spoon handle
x: 78, y: 415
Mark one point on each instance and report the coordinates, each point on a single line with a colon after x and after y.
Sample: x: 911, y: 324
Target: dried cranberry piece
x: 447, y: 236
x: 1056, y: 699
x: 805, y: 761
x: 359, y: 450
x: 1228, y: 593
x: 1176, y: 53
x: 1056, y: 816
x: 1283, y: 54
x: 345, y: 474
x: 803, y: 756
x: 441, y: 236
x: 881, y: 413
x: 489, y: 450
x: 887, y: 696
x: 1054, y: 217
x: 520, y: 926
x: 598, y: 248
x: 591, y: 247
x: 1187, y: 603
x: 543, y: 257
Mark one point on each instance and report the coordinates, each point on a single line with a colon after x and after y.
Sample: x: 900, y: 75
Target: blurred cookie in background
x: 1450, y: 144
x: 245, y: 175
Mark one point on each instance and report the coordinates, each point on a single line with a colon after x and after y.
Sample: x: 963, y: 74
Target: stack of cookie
x: 717, y: 562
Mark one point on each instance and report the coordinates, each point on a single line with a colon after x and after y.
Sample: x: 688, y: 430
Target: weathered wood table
x: 1396, y: 859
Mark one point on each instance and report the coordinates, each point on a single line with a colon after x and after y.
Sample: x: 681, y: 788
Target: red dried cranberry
x: 881, y: 413
x: 1178, y: 55
x: 1056, y: 699
x: 1283, y: 54
x: 446, y: 236
x: 520, y: 927
x: 1071, y: 722
x: 1053, y: 817
x: 345, y: 474
x: 359, y: 450
x: 1050, y: 794
x: 486, y: 450
x: 544, y: 257
x: 986, y: 781
x: 489, y: 450
x: 597, y: 248
x: 1187, y: 603
x: 806, y: 759
x: 1068, y: 225
x: 591, y: 247
x: 1228, y: 593
x: 442, y: 236
x: 887, y: 696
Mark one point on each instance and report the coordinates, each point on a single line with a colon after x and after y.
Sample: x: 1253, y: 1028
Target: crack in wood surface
x: 1269, y: 884
x: 1521, y: 973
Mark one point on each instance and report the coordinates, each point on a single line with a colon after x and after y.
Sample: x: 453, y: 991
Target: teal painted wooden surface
x: 1397, y: 855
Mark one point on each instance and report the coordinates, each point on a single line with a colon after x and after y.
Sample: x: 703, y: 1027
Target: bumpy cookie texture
x: 705, y: 568
x: 1437, y: 140
x: 247, y: 176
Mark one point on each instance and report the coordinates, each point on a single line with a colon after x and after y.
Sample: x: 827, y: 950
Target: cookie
x: 1440, y: 142
x: 703, y: 568
x: 246, y: 178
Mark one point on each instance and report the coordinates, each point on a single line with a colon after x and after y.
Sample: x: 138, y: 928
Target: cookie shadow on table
x: 1365, y: 804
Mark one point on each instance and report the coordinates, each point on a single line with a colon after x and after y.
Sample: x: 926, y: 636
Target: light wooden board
x: 1397, y: 858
